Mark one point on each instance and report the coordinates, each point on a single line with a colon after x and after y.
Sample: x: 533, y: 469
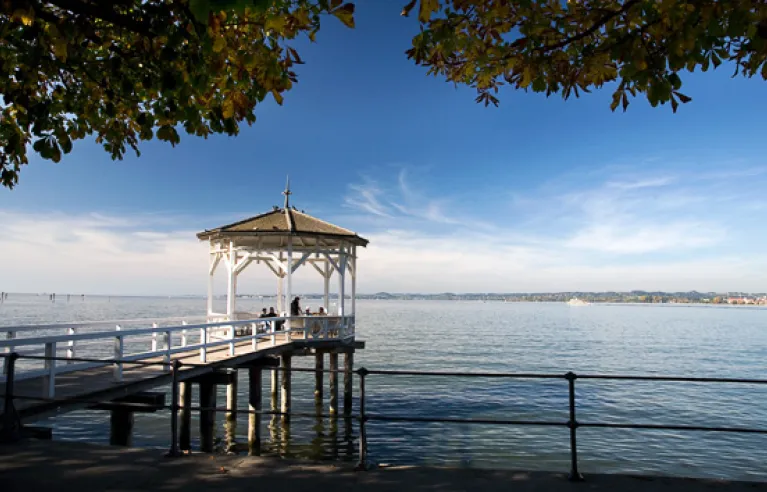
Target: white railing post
x: 168, y: 344
x: 254, y: 334
x: 118, y: 355
x: 204, y: 344
x: 288, y: 328
x: 154, y: 338
x: 231, y: 337
x: 183, y: 334
x: 71, y: 344
x: 49, y: 382
x: 273, y: 328
x: 10, y: 335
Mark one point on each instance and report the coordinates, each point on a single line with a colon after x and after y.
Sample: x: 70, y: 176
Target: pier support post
x: 254, y: 405
x: 333, y: 377
x: 121, y: 427
x: 275, y: 389
x: 285, y: 365
x: 231, y: 412
x: 319, y: 378
x: 348, y: 375
x: 185, y: 430
x: 207, y: 416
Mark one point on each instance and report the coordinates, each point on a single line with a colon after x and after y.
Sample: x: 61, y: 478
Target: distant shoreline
x: 632, y: 297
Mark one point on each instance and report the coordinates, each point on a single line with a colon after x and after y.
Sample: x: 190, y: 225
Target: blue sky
x: 537, y: 195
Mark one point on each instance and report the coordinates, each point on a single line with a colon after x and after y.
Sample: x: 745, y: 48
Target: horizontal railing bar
x: 141, y: 331
x: 397, y: 418
x: 700, y: 428
x: 681, y: 379
x: 466, y: 374
x: 395, y: 372
x: 79, y: 324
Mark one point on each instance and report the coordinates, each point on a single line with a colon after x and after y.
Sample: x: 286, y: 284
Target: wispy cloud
x: 602, y: 230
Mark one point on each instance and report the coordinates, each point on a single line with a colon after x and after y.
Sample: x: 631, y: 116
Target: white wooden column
x: 231, y: 291
x: 289, y: 289
x: 279, y: 293
x: 354, y: 280
x: 326, y: 281
x: 211, y: 271
x: 341, y: 280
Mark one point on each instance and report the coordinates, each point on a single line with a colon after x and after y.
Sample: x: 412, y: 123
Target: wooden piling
x: 185, y: 430
x: 319, y: 379
x: 275, y: 389
x: 231, y: 412
x: 207, y: 416
x: 121, y: 427
x: 333, y: 377
x: 348, y: 382
x: 254, y: 405
x: 285, y: 365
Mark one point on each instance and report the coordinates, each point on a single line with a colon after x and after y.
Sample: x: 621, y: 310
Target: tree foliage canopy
x: 132, y: 70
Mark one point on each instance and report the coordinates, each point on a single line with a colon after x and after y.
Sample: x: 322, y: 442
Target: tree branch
x: 591, y: 30
x: 106, y: 14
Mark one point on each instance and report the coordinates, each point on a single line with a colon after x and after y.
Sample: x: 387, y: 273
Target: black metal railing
x: 11, y: 423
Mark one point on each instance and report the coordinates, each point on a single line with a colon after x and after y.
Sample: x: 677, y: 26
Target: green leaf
x: 676, y: 82
x: 39, y: 145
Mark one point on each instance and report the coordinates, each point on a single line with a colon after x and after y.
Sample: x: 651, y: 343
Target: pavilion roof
x: 283, y: 222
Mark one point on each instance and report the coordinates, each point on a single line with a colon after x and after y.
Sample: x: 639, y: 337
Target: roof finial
x: 287, y: 193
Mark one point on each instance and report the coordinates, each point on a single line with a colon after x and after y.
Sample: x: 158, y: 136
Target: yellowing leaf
x: 275, y: 23
x: 527, y: 77
x: 219, y: 44
x: 277, y: 97
x: 427, y: 8
x: 345, y: 14
x: 227, y: 109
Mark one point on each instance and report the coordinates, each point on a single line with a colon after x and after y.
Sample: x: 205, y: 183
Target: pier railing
x: 119, y: 346
x: 364, y: 416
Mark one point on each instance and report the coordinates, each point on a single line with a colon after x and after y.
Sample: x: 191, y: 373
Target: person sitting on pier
x: 308, y: 312
x: 295, y: 307
x: 321, y: 312
x: 263, y: 327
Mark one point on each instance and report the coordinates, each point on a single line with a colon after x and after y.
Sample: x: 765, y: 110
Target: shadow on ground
x: 52, y: 466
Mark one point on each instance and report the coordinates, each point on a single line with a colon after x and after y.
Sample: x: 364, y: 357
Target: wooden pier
x: 72, y: 383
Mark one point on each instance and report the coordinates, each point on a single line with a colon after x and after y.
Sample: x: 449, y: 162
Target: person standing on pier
x: 295, y: 307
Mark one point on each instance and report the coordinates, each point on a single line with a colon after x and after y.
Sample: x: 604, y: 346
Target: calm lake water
x: 674, y: 340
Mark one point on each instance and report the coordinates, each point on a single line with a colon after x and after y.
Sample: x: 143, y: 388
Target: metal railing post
x: 11, y: 431
x: 572, y: 424
x: 362, y: 465
x: 174, y: 407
